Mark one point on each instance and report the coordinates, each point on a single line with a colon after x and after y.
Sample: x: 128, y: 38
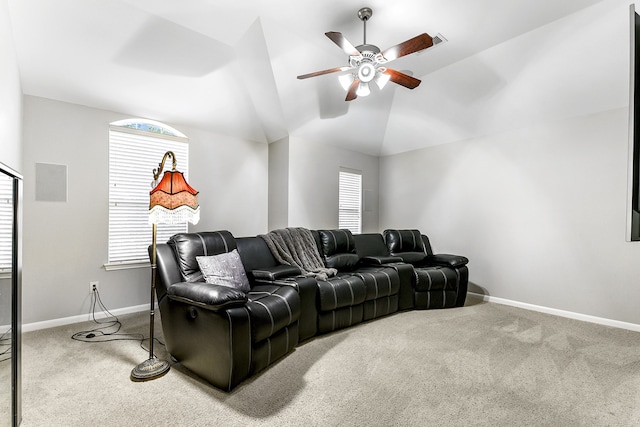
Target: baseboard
x: 81, y: 318
x: 562, y: 313
x: 556, y: 312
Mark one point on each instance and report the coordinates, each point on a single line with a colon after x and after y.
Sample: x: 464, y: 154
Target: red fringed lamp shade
x: 173, y: 201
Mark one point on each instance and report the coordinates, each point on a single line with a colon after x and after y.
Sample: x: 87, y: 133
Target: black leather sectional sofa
x: 225, y: 335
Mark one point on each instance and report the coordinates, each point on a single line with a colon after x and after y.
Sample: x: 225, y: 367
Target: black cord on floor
x: 108, y: 328
x: 5, y: 341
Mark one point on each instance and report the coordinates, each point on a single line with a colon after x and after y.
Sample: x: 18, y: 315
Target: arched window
x: 136, y: 146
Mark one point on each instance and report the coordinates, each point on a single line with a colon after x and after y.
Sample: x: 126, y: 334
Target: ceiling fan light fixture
x: 382, y: 79
x: 366, y: 72
x: 346, y: 80
x: 363, y: 89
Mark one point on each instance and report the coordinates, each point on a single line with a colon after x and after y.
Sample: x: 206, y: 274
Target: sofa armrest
x: 415, y: 258
x: 379, y: 260
x: 446, y: 260
x: 206, y: 295
x: 275, y: 273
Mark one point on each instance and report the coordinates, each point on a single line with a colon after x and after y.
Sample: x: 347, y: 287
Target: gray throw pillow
x: 225, y: 269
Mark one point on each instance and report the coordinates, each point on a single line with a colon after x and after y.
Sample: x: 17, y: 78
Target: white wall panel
x: 65, y: 244
x: 538, y: 207
x: 313, y: 184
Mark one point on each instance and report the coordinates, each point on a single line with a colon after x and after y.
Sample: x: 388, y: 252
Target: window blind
x: 133, y: 154
x: 6, y: 222
x: 350, y: 201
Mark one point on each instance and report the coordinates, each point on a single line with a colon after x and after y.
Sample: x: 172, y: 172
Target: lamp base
x: 150, y: 369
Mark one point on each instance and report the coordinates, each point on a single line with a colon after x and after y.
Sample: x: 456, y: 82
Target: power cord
x: 5, y: 341
x: 108, y: 328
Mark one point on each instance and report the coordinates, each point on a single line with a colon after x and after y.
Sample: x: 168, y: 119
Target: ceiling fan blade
x: 320, y: 73
x: 410, y: 46
x: 402, y: 79
x: 343, y: 43
x: 351, y: 93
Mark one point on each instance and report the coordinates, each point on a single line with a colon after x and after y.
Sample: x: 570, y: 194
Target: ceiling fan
x: 367, y: 62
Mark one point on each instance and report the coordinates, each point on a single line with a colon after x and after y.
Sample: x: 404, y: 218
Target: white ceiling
x: 231, y: 67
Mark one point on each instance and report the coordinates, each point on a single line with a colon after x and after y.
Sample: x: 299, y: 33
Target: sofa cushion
x: 436, y: 279
x: 339, y: 249
x: 344, y: 290
x: 407, y: 244
x: 272, y: 308
x: 379, y: 281
x: 224, y: 269
x: 188, y: 246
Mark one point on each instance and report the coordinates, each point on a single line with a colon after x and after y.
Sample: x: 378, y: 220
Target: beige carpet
x: 480, y: 365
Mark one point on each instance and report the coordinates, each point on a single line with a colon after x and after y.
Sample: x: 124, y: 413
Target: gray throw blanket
x: 296, y: 246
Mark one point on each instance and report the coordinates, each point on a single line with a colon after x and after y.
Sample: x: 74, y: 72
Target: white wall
x: 232, y: 177
x: 313, y: 184
x: 10, y: 95
x: 540, y: 206
x: 65, y: 244
x: 574, y: 66
x: 279, y: 184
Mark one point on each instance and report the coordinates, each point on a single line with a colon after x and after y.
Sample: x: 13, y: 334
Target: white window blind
x: 133, y: 154
x: 6, y: 222
x: 350, y: 201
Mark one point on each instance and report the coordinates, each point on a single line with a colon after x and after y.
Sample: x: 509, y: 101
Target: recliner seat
x: 440, y: 280
x: 221, y: 333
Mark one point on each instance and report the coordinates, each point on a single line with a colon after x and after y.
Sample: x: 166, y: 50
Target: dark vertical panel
x: 636, y: 114
x: 635, y: 128
x: 16, y: 309
x: 16, y: 296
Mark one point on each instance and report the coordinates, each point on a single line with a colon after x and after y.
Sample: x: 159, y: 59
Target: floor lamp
x: 172, y: 201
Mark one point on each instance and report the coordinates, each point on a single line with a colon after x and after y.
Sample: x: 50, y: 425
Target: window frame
x: 350, y: 196
x: 131, y: 172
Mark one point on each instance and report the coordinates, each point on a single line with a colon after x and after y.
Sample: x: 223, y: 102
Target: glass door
x: 10, y: 297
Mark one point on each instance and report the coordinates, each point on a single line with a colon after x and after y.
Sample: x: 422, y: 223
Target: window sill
x: 126, y: 265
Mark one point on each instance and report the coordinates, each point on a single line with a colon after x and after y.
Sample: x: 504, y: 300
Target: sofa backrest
x: 187, y: 246
x: 338, y: 249
x: 427, y: 245
x: 407, y: 244
x: 370, y: 245
x: 254, y: 253
x: 167, y: 270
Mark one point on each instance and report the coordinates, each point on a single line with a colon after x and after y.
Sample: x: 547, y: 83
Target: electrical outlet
x: 93, y: 286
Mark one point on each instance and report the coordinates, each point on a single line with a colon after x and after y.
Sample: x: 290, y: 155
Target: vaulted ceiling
x: 231, y: 67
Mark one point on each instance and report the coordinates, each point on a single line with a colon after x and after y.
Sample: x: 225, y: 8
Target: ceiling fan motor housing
x: 367, y: 62
x: 368, y: 48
